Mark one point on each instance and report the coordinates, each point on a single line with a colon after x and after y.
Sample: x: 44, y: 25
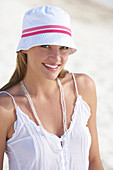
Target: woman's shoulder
x: 84, y: 81
x: 87, y: 89
x: 7, y: 101
x: 6, y: 112
x: 85, y: 86
x: 7, y: 106
x: 81, y: 79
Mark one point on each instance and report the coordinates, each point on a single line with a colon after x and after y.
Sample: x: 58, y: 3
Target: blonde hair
x: 20, y: 71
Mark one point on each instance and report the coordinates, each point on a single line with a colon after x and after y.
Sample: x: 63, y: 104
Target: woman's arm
x: 94, y: 156
x: 87, y: 89
x: 7, y: 116
x: 3, y: 135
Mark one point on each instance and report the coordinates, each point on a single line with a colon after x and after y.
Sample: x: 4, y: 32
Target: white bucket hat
x: 46, y: 25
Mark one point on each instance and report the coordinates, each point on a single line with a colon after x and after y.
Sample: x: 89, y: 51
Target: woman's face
x: 46, y: 60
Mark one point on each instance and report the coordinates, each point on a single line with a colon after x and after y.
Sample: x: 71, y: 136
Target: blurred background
x: 92, y: 30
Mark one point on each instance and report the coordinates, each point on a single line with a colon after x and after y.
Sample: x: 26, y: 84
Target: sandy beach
x: 92, y: 30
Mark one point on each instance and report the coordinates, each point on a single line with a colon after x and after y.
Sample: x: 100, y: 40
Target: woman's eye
x: 64, y: 48
x: 45, y: 46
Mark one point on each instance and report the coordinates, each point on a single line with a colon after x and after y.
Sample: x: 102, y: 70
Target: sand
x: 92, y: 28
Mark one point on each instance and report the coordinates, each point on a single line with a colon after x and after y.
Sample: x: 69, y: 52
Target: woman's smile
x: 51, y: 67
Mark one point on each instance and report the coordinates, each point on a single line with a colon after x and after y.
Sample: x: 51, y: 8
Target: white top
x: 33, y: 148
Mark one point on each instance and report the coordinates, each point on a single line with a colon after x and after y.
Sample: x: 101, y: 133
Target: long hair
x: 20, y: 71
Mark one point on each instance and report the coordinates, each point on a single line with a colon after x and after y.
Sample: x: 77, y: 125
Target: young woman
x: 48, y: 115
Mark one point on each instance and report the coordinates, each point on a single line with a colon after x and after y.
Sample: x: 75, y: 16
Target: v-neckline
x: 73, y: 118
x: 63, y: 105
x: 63, y: 110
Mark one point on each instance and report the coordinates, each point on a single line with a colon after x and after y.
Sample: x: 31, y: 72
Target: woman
x: 48, y: 115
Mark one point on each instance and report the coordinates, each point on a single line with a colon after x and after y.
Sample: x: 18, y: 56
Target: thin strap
x: 75, y: 83
x: 31, y: 103
x: 10, y: 96
x: 63, y: 105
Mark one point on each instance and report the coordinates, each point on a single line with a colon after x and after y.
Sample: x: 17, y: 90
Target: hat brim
x: 47, y: 39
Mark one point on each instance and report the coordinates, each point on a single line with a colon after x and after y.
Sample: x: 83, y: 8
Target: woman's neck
x: 40, y: 86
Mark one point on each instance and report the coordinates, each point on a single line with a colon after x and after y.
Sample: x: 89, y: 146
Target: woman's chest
x: 51, y: 113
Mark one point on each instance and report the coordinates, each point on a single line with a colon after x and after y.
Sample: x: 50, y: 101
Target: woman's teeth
x: 51, y: 66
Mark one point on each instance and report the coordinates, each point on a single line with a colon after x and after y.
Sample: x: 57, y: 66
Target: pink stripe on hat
x: 46, y: 31
x: 45, y: 27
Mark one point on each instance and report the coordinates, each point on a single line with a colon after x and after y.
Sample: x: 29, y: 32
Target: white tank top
x: 33, y: 148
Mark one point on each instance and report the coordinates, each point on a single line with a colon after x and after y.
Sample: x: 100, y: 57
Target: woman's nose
x: 55, y: 55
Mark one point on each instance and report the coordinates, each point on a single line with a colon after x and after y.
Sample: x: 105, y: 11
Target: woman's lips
x: 51, y: 66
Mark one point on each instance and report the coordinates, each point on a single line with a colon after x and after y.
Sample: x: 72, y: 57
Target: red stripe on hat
x: 46, y: 31
x: 46, y: 27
